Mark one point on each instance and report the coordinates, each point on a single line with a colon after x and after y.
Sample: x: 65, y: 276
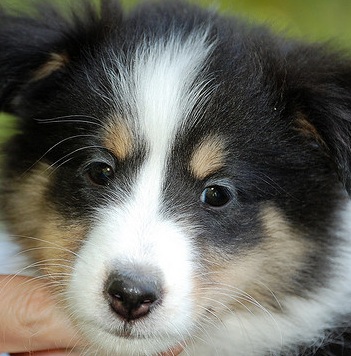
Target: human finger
x: 48, y: 353
x: 29, y: 318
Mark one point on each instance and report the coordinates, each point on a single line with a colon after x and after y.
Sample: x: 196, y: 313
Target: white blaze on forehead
x: 158, y: 91
x: 159, y: 86
x: 164, y: 90
x: 165, y: 93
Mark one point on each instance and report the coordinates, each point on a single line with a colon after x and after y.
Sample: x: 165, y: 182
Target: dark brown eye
x: 101, y: 173
x: 216, y: 196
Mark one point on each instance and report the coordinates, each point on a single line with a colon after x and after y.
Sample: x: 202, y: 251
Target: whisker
x: 50, y: 243
x: 238, y: 295
x: 73, y: 152
x: 53, y: 147
x: 73, y: 119
x: 272, y: 293
x: 53, y: 170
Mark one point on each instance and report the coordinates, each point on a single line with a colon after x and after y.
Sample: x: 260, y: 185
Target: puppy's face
x: 166, y: 181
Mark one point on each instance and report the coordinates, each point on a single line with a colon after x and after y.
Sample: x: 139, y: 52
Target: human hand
x: 30, y: 321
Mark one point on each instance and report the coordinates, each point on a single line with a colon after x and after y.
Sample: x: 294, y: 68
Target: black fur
x: 308, y: 79
x: 266, y: 85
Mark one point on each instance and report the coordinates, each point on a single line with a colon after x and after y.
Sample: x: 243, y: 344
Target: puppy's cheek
x: 49, y: 239
x: 58, y: 248
x: 261, y: 277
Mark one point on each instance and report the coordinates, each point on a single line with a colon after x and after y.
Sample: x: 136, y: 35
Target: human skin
x: 30, y: 322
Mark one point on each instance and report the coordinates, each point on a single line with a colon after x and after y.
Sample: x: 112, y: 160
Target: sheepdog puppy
x: 181, y: 178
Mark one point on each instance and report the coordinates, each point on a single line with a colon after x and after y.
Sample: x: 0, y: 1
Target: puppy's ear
x: 35, y: 46
x: 322, y: 93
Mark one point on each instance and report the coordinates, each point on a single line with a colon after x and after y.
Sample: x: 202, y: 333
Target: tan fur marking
x: 56, y: 62
x: 47, y: 237
x: 208, y: 157
x: 268, y: 271
x: 119, y: 140
x: 308, y: 130
x: 260, y: 277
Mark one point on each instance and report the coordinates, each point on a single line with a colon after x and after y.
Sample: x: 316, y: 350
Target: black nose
x: 132, y: 296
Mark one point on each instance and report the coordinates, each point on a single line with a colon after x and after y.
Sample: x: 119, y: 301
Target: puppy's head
x: 172, y: 168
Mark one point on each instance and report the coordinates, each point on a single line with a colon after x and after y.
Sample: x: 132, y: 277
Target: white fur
x: 157, y: 91
x: 158, y: 88
x: 12, y: 260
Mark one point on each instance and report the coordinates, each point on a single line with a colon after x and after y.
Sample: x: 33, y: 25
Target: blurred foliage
x: 314, y: 19
x: 308, y: 19
x: 7, y: 127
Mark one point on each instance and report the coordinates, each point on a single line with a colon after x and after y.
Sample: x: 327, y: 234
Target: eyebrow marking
x: 307, y: 129
x: 55, y: 62
x: 119, y: 140
x: 208, y: 157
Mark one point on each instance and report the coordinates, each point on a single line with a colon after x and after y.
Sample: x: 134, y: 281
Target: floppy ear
x: 322, y: 88
x: 33, y: 47
x: 30, y: 48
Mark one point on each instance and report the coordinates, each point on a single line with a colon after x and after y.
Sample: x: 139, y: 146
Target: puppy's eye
x: 100, y: 173
x: 216, y: 196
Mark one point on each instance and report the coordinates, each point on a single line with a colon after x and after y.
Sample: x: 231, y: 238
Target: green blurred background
x: 308, y: 19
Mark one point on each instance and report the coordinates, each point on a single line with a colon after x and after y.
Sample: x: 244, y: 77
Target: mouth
x: 127, y: 333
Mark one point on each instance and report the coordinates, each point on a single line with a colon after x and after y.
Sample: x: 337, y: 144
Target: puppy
x: 181, y: 178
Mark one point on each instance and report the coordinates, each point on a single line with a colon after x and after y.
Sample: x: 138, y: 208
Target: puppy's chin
x: 106, y: 343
